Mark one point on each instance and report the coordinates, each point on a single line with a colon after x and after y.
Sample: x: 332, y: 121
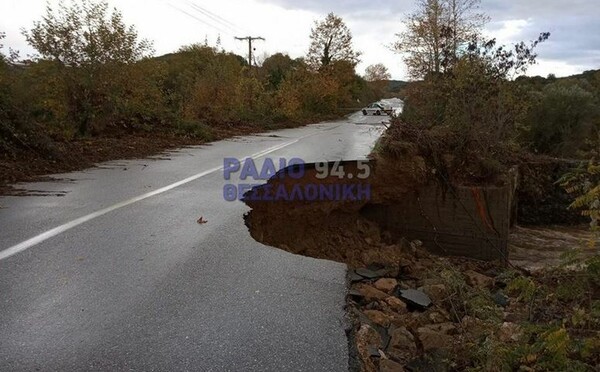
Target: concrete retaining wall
x: 465, y: 221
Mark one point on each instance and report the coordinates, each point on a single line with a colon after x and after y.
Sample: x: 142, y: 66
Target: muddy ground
x: 30, y: 164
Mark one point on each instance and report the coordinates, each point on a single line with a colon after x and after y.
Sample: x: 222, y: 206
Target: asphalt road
x: 108, y: 269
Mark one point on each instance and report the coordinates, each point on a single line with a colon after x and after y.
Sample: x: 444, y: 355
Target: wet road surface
x: 111, y: 271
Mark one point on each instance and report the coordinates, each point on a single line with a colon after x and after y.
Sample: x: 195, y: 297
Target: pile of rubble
x: 410, y: 317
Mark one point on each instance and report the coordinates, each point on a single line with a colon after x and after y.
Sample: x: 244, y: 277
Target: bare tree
x: 463, y: 23
x: 331, y: 41
x: 435, y: 34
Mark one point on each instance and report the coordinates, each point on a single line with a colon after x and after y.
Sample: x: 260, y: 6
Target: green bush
x: 562, y: 116
x: 196, y: 130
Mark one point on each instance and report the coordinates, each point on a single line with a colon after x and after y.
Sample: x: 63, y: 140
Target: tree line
x: 94, y: 76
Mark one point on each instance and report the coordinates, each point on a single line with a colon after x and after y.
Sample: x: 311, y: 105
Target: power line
x: 199, y: 19
x: 218, y: 16
x: 250, y: 40
x: 195, y: 8
x: 220, y: 21
x: 215, y: 17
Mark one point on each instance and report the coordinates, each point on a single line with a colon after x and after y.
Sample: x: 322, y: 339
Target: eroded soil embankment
x: 331, y: 229
x: 345, y: 231
x: 415, y: 311
x: 29, y: 164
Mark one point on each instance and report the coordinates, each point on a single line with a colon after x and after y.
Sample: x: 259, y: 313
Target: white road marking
x: 69, y: 225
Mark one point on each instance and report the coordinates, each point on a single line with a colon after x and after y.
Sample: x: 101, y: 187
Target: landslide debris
x: 413, y: 311
x: 429, y: 313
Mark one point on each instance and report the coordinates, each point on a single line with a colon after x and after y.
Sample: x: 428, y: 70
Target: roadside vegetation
x: 94, y: 80
x: 471, y: 114
x: 471, y: 96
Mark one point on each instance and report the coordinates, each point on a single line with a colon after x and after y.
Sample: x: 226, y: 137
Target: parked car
x: 377, y: 109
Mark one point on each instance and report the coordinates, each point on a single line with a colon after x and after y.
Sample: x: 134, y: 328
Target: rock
x: 386, y: 285
x: 431, y: 281
x: 477, y: 280
x: 404, y: 285
x: 415, y: 298
x: 437, y: 317
x: 354, y: 277
x: 380, y: 270
x: 371, y: 272
x: 392, y: 272
x: 378, y: 317
x: 432, y: 361
x: 386, y: 365
x: 366, y: 339
x: 501, y: 299
x: 434, y: 338
x: 475, y: 327
x: 355, y: 295
x: 367, y: 274
x: 370, y: 293
x: 445, y: 328
x: 375, y: 267
x: 362, y: 318
x: 372, y: 306
x: 417, y: 249
x: 383, y: 334
x: 397, y: 305
x: 374, y: 352
x: 402, y: 344
x: 437, y: 292
x: 510, y: 317
x: 510, y: 332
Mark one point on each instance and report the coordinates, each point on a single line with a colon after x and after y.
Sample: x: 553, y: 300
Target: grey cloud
x: 348, y: 7
x: 552, y: 9
x: 574, y: 24
x: 574, y: 39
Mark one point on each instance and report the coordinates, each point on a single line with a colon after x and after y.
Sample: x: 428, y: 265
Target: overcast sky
x: 573, y: 47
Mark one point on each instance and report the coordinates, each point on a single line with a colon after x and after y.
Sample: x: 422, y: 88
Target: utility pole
x: 250, y: 40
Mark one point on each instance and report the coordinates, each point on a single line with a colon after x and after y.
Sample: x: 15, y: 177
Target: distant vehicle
x: 377, y: 108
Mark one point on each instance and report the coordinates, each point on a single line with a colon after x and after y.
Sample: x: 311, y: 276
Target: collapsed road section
x: 430, y: 284
x: 349, y: 215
